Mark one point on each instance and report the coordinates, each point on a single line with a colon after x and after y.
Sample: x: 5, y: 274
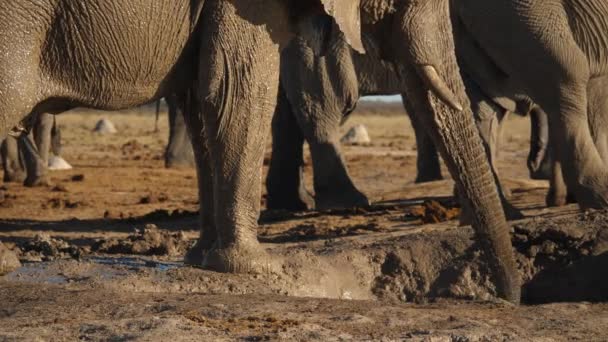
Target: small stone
x: 57, y: 163
x: 105, y: 126
x: 356, y: 136
x: 8, y: 260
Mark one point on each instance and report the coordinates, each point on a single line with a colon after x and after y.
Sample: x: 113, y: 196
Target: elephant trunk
x: 427, y: 27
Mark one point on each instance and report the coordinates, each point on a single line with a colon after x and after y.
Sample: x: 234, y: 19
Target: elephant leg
x: 427, y: 160
x: 284, y: 182
x: 38, y: 159
x: 12, y: 161
x: 539, y: 159
x: 558, y: 194
x: 37, y: 169
x: 334, y: 189
x: 56, y: 145
x: 208, y: 236
x: 238, y: 92
x: 179, y: 149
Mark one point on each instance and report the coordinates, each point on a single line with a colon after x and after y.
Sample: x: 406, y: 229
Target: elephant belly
x: 113, y: 54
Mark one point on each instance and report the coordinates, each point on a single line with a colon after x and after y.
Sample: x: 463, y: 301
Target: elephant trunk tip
x: 437, y: 85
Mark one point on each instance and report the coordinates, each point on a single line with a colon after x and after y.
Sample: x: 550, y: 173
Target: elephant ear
x: 347, y: 14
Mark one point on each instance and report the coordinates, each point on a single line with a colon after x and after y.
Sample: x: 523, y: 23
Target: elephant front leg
x: 284, y: 183
x: 238, y: 86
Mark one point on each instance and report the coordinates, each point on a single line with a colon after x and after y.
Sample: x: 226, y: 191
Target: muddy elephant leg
x: 539, y: 158
x: 208, y: 236
x: 12, y: 161
x: 37, y: 169
x: 428, y: 167
x: 284, y: 183
x: 179, y: 149
x: 238, y: 92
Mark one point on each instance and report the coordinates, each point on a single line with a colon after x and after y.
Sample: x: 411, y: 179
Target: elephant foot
x: 196, y: 254
x: 8, y: 260
x: 302, y: 202
x: 37, y: 181
x: 555, y: 199
x: 341, y: 200
x: 179, y: 162
x: 14, y: 177
x: 241, y: 258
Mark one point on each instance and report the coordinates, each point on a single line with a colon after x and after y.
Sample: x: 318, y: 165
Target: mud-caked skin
x: 226, y: 53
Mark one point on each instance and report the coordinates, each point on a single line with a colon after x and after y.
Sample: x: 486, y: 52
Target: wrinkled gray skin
x: 316, y: 96
x: 569, y: 43
x: 318, y: 93
x: 226, y: 58
x: 597, y: 97
x: 26, y: 159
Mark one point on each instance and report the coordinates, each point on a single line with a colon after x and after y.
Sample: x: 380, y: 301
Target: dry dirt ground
x: 101, y: 250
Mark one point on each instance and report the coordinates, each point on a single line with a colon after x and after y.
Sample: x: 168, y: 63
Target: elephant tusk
x: 438, y: 87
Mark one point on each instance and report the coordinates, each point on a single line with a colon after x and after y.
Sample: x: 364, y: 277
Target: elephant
x: 26, y: 159
x: 567, y: 44
x: 26, y: 162
x: 597, y: 111
x: 318, y: 93
x: 223, y: 55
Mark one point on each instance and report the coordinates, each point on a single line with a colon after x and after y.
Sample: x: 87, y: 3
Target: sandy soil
x: 101, y: 251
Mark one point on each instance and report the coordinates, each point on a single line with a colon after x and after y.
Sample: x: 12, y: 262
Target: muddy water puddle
x: 101, y: 268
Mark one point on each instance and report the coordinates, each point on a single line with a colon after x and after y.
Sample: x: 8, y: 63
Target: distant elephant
x: 26, y: 159
x: 224, y: 55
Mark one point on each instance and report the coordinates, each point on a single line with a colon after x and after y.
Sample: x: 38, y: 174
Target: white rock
x: 105, y: 126
x: 356, y: 136
x: 58, y: 164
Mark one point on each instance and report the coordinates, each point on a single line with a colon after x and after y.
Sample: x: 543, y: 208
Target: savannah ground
x: 101, y: 249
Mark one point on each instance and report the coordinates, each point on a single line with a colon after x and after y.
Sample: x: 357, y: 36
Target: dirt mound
x: 45, y: 248
x: 149, y: 241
